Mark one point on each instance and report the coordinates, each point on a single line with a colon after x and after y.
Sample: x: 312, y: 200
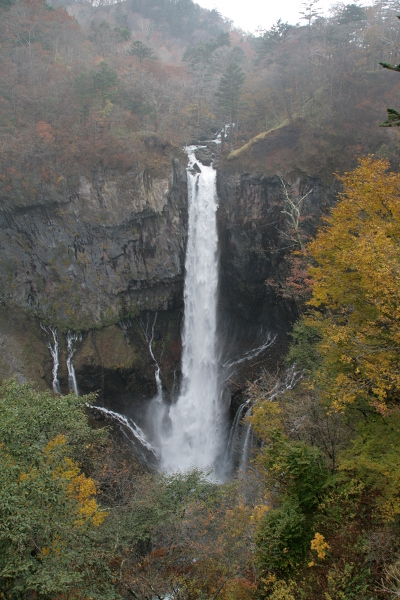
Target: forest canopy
x: 76, y: 92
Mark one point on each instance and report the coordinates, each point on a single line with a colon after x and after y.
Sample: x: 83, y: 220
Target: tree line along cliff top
x: 124, y: 86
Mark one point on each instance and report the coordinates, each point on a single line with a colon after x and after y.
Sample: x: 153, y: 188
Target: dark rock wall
x: 112, y: 250
x: 104, y: 260
x: 253, y: 245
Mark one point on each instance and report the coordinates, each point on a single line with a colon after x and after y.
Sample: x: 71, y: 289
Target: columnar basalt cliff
x: 106, y: 258
x: 102, y: 260
x: 255, y: 244
x: 114, y: 247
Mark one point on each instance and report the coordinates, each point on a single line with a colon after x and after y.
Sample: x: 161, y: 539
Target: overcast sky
x: 250, y: 14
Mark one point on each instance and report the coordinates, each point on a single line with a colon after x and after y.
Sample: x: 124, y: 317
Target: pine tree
x: 229, y: 92
x: 104, y: 82
x: 141, y: 51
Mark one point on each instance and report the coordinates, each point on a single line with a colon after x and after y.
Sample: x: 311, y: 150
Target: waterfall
x: 72, y: 383
x: 234, y: 433
x: 270, y: 340
x: 54, y: 353
x: 149, y: 339
x: 248, y: 441
x: 134, y: 429
x: 194, y: 437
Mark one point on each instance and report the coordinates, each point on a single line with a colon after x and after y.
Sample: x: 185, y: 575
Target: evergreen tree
x: 141, y: 51
x: 267, y: 43
x: 229, y: 92
x: 83, y: 92
x: 50, y: 541
x: 104, y: 82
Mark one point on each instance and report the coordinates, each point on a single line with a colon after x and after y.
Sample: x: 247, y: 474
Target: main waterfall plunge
x: 194, y: 435
x: 192, y: 431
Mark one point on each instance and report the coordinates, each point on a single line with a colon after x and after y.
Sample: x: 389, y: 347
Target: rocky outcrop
x: 106, y: 259
x: 101, y: 260
x: 23, y: 351
x: 114, y: 361
x: 254, y: 246
x: 108, y: 251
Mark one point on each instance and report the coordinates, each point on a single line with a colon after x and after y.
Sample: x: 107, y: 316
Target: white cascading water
x: 72, y: 382
x: 149, y: 337
x: 252, y: 353
x: 54, y: 353
x: 244, y: 461
x: 194, y: 438
x: 235, y: 429
x: 129, y: 424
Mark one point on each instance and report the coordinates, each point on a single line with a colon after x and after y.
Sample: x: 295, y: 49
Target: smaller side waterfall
x: 266, y: 388
x: 130, y: 425
x: 251, y: 353
x: 149, y: 337
x: 72, y: 383
x: 247, y: 444
x: 234, y: 433
x: 54, y: 350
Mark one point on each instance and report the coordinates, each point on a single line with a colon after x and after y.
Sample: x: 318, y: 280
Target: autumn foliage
x: 356, y: 288
x: 329, y: 456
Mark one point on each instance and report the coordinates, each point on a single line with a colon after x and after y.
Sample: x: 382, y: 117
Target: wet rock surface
x: 106, y: 259
x: 208, y: 155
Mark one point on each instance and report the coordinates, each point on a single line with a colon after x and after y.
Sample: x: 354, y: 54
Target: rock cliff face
x: 105, y: 259
x: 108, y: 251
x: 253, y: 242
x: 102, y: 260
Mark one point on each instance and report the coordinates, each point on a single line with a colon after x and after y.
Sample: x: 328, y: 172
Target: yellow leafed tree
x: 356, y: 291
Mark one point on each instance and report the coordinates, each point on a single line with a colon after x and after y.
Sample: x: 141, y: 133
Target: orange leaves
x: 80, y: 488
x: 258, y: 512
x: 59, y: 440
x: 83, y: 489
x: 45, y: 131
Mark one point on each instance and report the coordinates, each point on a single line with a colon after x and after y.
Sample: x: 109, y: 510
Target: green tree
x: 201, y: 65
x: 310, y: 12
x: 141, y: 51
x: 6, y: 3
x: 268, y: 42
x: 229, y: 92
x: 49, y: 515
x: 83, y: 92
x: 124, y: 32
x: 104, y: 82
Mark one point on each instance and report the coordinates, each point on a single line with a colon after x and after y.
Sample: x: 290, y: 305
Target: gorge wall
x: 255, y: 242
x: 108, y: 257
x: 106, y: 251
x: 96, y: 259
